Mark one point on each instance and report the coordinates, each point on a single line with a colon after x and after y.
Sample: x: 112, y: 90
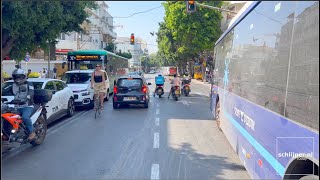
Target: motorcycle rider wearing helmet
x: 175, y: 82
x: 23, y: 93
x: 159, y: 82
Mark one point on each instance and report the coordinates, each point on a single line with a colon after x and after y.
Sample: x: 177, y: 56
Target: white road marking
x: 185, y: 102
x: 155, y: 171
x: 158, y: 105
x: 156, y: 140
x: 157, y: 111
x: 157, y: 121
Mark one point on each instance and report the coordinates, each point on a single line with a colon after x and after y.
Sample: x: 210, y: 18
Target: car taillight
x: 144, y: 89
x: 115, y: 90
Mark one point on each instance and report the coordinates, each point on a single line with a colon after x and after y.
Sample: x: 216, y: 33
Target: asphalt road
x: 169, y: 140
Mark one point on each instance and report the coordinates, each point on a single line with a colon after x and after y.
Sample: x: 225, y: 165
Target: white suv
x: 79, y: 81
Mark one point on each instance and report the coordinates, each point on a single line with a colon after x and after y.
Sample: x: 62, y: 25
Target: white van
x: 80, y: 83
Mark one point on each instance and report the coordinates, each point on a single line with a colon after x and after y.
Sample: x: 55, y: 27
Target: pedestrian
x: 54, y: 73
x: 43, y: 73
x: 29, y: 72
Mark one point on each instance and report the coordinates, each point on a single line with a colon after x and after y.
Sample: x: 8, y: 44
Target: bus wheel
x: 218, y: 115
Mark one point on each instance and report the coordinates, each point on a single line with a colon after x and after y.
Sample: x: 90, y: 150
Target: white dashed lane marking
x: 155, y: 171
x: 156, y: 140
x: 157, y: 121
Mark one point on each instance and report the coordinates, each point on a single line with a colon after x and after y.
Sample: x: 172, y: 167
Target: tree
x: 110, y: 47
x: 183, y: 36
x: 127, y: 55
x: 28, y: 25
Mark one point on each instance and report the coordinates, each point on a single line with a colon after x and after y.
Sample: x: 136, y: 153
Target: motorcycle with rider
x: 23, y: 120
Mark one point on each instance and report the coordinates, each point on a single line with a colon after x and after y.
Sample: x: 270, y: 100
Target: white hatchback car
x: 79, y: 81
x: 61, y: 104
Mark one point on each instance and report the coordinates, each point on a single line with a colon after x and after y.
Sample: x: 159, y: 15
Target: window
x: 64, y: 85
x: 59, y: 85
x: 63, y: 36
x: 130, y: 82
x: 250, y: 64
x: 50, y: 86
x: 77, y: 78
x: 302, y: 102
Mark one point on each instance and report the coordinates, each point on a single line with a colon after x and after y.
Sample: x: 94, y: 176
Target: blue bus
x: 265, y: 89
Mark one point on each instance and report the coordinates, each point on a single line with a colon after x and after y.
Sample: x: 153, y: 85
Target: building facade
x: 137, y: 50
x: 98, y: 32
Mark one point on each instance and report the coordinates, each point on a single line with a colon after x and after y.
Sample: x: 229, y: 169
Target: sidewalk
x: 202, y: 83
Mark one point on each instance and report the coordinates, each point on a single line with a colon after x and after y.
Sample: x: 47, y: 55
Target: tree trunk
x: 53, y: 51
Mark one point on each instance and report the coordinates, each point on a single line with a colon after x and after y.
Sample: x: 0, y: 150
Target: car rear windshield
x: 129, y: 82
x: 6, y: 89
x: 77, y: 78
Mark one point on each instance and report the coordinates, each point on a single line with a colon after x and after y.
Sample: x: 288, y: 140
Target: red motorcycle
x: 13, y: 129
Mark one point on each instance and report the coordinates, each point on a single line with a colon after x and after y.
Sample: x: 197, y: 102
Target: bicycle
x: 97, y: 105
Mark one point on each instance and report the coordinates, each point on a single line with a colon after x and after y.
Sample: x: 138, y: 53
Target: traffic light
x: 191, y: 6
x: 132, y: 39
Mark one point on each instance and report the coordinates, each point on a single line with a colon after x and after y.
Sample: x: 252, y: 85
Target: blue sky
x: 141, y: 24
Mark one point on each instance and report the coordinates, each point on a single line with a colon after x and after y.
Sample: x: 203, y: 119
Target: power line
x: 139, y: 12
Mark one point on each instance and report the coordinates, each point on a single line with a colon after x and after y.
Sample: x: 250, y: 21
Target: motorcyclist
x: 175, y: 82
x: 23, y: 93
x: 159, y: 82
x: 185, y: 79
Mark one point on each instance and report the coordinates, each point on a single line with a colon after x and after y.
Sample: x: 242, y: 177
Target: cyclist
x: 98, y: 83
x: 159, y: 82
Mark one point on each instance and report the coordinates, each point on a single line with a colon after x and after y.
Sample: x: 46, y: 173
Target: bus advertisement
x: 265, y: 91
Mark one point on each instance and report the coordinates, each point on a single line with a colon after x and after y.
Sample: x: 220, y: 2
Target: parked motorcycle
x: 186, y: 87
x: 176, y: 92
x: 13, y: 130
x: 159, y: 91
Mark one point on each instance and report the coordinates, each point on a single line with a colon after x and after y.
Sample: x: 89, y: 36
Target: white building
x: 99, y: 32
x: 137, y: 50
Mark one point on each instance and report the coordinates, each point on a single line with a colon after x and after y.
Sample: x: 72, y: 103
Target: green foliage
x: 153, y: 60
x: 110, y: 47
x: 127, y: 55
x: 27, y: 25
x: 183, y: 36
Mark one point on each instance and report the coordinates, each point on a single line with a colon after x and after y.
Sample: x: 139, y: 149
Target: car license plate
x: 177, y: 92
x: 129, y: 98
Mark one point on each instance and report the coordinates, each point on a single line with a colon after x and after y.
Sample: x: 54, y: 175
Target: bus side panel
x: 259, y: 136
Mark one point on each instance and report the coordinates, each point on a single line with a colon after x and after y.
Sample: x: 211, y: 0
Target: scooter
x: 159, y: 91
x: 186, y: 87
x: 175, y: 92
x: 13, y: 130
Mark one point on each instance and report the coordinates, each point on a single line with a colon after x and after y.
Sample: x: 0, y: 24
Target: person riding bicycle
x: 159, y: 82
x: 23, y: 94
x: 175, y: 82
x: 98, y: 83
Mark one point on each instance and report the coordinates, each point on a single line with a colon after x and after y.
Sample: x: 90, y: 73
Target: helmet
x: 19, y: 76
x: 175, y: 75
x: 159, y: 74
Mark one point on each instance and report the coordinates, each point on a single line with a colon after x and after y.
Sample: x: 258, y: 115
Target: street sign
x: 27, y: 58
